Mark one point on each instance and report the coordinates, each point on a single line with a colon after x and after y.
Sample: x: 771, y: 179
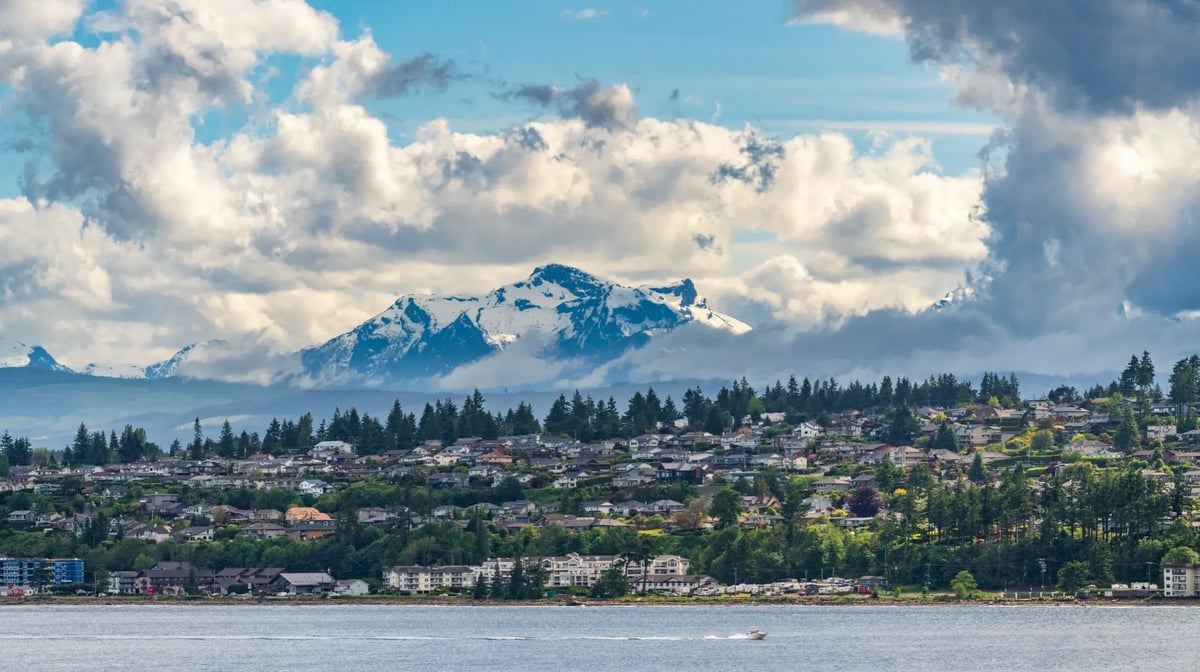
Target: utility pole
x: 927, y: 565
x: 1042, y: 565
x: 1148, y: 566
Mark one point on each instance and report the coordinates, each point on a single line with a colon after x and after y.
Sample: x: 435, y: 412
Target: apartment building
x: 1181, y: 580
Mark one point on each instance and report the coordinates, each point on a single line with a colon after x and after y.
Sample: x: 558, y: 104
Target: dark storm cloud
x: 1056, y: 256
x: 1102, y: 56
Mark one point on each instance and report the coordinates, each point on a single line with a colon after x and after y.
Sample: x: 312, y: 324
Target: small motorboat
x: 756, y: 634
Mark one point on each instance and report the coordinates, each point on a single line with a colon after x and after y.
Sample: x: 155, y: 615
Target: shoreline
x: 397, y: 601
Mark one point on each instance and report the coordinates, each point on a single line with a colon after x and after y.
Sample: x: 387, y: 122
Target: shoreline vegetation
x: 915, y: 599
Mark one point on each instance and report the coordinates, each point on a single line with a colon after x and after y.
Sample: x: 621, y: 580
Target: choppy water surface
x: 524, y: 639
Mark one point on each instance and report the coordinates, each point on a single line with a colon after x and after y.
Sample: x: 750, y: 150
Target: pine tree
x: 1126, y: 437
x: 977, y: 471
x: 196, y: 449
x: 226, y: 444
x: 498, y: 590
x: 945, y: 438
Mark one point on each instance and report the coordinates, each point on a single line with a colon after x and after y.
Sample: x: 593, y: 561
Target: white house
x: 568, y: 481
x: 351, y: 587
x: 327, y: 449
x: 313, y: 486
x: 807, y: 430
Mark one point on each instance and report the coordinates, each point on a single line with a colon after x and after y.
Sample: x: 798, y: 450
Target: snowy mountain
x: 17, y: 355
x: 567, y: 313
x: 178, y: 363
x: 127, y: 371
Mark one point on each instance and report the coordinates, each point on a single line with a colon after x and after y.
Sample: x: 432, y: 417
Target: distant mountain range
x: 561, y: 313
x: 15, y: 355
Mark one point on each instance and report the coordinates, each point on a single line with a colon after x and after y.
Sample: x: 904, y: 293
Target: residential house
x: 314, y: 487
x: 636, y: 477
x: 832, y: 484
x: 863, y: 479
x: 629, y: 508
x: 196, y: 533
x: 155, y: 533
x: 325, y: 450
x: 311, y: 530
x: 679, y: 472
x: 601, y: 507
x: 949, y: 457
x: 972, y: 435
x: 174, y: 578
x: 243, y: 580
x: 817, y: 503
x: 569, y: 481
x: 297, y: 514
x: 807, y: 431
x: 304, y: 583
x: 796, y: 462
x: 451, y: 480
x: 122, y: 583
x: 351, y: 588
x: 114, y: 491
x: 264, y: 531
x: 1091, y: 448
x: 22, y: 517
x: 1158, y: 432
x: 665, y: 507
x: 902, y: 456
x: 659, y: 566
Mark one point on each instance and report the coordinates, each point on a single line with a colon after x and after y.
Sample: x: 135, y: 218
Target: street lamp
x: 1042, y: 564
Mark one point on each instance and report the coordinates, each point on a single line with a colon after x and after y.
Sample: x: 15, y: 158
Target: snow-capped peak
x: 16, y: 355
x: 129, y: 371
x: 578, y: 315
x: 172, y: 367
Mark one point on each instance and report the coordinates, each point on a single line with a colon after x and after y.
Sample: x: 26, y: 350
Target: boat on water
x: 756, y: 634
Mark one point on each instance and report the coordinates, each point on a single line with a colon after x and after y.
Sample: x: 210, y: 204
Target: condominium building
x: 1181, y: 580
x: 25, y: 571
x: 417, y: 579
x: 560, y: 571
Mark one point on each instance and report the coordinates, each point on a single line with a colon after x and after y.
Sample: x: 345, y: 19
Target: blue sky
x: 743, y: 59
x: 731, y: 63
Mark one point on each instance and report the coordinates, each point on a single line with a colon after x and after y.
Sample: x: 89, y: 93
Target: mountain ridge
x: 558, y: 313
x: 571, y: 314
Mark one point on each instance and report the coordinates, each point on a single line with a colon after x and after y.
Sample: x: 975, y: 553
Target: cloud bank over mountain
x: 1089, y: 188
x: 147, y: 225
x: 148, y: 233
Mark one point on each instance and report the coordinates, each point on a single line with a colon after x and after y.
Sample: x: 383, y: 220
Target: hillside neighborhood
x: 474, y: 515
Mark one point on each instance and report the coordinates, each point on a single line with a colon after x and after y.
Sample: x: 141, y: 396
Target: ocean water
x: 151, y: 638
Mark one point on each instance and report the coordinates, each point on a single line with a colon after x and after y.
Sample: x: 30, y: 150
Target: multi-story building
x: 660, y: 566
x: 563, y: 571
x: 29, y: 571
x: 417, y: 579
x: 1181, y: 580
